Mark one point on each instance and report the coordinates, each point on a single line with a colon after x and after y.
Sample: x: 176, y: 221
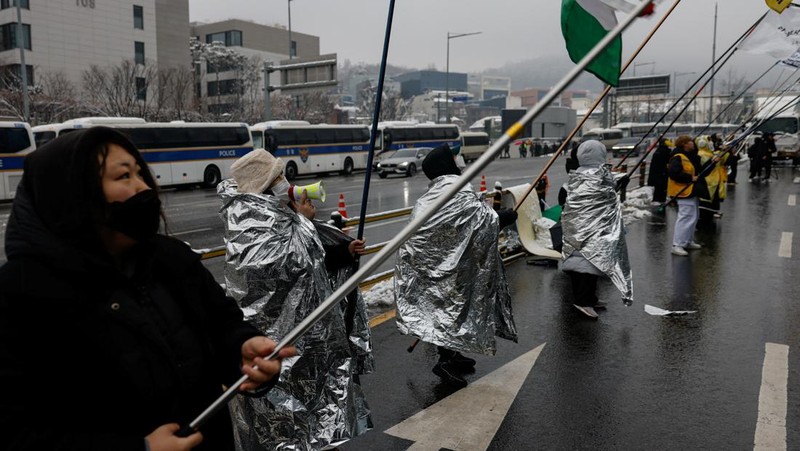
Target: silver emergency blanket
x: 353, y: 305
x: 275, y: 270
x: 450, y: 284
x: 593, y: 229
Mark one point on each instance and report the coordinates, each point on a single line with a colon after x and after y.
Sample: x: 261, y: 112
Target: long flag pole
x: 725, y: 57
x: 594, y: 106
x: 376, y: 115
x: 350, y: 310
x: 471, y: 171
x: 732, y: 102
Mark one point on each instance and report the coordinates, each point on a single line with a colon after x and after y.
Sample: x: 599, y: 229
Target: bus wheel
x: 291, y: 171
x: 211, y: 177
x: 348, y: 166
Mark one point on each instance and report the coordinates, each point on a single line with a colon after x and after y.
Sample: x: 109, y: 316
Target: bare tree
x: 121, y: 90
x: 393, y: 107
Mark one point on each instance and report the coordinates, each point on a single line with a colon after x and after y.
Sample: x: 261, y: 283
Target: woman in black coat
x: 657, y: 177
x: 110, y: 334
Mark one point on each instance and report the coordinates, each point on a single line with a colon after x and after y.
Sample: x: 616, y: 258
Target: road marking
x: 470, y: 417
x: 186, y: 232
x: 772, y: 399
x: 785, y: 249
x: 792, y: 200
x: 797, y: 179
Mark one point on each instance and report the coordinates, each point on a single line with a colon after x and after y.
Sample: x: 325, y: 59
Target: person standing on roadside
x: 686, y: 184
x: 593, y: 233
x: 276, y: 269
x: 450, y: 284
x: 657, y: 176
x: 111, y: 335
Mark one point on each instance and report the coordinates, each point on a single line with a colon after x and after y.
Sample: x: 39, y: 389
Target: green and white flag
x: 584, y: 23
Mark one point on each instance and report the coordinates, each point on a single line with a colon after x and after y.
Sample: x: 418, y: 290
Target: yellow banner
x: 778, y: 5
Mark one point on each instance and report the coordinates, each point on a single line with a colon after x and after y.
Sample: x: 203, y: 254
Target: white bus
x: 16, y: 141
x: 188, y: 153
x: 312, y: 149
x: 473, y: 145
x: 607, y: 136
x: 393, y: 136
x: 46, y: 133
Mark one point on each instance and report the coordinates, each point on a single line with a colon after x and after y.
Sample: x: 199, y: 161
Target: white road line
x: 186, y: 232
x: 772, y: 399
x: 797, y: 179
x: 785, y: 249
x: 792, y: 200
x: 486, y: 402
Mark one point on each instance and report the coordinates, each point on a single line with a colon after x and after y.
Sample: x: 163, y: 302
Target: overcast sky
x: 511, y: 30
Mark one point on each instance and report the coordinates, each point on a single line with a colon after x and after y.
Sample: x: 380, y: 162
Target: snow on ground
x: 637, y: 206
x: 380, y: 295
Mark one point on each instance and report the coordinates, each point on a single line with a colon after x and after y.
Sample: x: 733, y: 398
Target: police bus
x: 43, y: 134
x: 16, y: 141
x: 393, y: 136
x: 311, y: 149
x: 179, y: 153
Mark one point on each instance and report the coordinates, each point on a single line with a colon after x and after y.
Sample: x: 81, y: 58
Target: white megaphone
x: 313, y: 191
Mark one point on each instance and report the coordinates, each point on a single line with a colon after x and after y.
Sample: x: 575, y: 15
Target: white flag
x: 777, y: 35
x: 793, y: 60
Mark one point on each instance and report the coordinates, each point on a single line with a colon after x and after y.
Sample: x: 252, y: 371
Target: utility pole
x: 289, y: 3
x: 267, y: 91
x: 713, y: 58
x: 23, y: 68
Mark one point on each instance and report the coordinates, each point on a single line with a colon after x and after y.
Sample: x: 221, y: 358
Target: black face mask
x: 137, y: 217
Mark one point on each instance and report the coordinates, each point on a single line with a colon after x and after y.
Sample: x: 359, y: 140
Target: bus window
x: 14, y: 140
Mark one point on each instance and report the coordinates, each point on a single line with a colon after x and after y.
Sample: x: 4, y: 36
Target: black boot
x: 462, y: 362
x: 449, y: 375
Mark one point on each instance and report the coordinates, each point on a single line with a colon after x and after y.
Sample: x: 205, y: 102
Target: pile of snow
x: 638, y: 204
x: 380, y: 295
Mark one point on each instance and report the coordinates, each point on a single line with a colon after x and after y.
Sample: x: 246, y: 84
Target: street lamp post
x: 289, y: 4
x: 447, y: 76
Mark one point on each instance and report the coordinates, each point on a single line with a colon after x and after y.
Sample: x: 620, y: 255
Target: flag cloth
x: 584, y: 23
x: 778, y: 35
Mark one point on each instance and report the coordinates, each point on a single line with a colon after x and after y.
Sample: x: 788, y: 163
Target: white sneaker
x: 588, y: 311
x: 677, y: 250
x: 693, y: 246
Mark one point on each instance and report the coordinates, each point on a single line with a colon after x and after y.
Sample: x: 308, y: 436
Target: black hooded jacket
x: 93, y: 357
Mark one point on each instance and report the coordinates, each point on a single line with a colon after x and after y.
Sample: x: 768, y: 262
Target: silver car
x: 403, y: 161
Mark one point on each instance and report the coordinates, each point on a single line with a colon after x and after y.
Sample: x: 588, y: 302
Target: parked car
x: 404, y: 161
x: 624, y: 145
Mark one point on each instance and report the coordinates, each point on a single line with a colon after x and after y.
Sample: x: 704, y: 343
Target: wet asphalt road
x: 630, y: 380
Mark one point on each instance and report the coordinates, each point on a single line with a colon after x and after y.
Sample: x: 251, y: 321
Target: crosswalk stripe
x: 792, y: 200
x: 772, y: 399
x: 469, y: 418
x: 785, y: 249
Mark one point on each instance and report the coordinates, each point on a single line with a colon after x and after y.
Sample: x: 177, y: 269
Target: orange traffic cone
x: 342, y: 209
x: 483, y: 183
